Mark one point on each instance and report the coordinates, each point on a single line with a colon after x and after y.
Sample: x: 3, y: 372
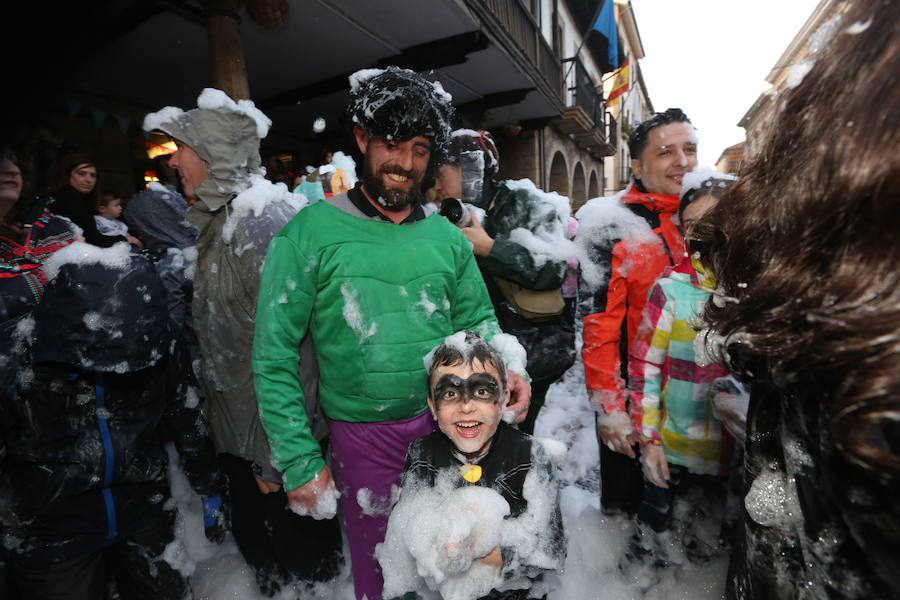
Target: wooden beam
x: 436, y: 54
x: 495, y: 100
x: 225, y: 49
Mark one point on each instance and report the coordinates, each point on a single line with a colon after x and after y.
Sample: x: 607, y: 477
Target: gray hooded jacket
x: 237, y: 212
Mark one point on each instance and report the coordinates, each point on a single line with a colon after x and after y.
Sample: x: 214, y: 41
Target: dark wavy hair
x: 704, y: 229
x: 807, y: 243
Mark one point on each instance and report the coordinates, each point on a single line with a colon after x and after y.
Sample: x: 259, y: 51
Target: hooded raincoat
x: 550, y: 342
x: 157, y: 216
x: 237, y: 212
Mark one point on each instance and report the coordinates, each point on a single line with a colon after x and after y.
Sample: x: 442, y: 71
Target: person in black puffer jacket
x: 83, y: 489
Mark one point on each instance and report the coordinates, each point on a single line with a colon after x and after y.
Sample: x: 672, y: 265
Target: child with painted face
x: 465, y: 397
x: 494, y: 487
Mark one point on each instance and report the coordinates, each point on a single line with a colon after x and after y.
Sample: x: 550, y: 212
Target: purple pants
x: 370, y: 456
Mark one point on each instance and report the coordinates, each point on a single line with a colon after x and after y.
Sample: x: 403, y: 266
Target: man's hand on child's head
x: 520, y: 398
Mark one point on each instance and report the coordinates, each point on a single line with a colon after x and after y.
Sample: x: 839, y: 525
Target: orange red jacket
x: 612, y: 313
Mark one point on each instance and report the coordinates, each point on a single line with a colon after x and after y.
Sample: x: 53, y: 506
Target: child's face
x: 113, y: 209
x: 694, y: 211
x: 466, y: 402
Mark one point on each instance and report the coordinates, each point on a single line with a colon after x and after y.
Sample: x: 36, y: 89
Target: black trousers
x: 621, y: 480
x: 135, y: 563
x: 538, y: 396
x: 276, y: 542
x: 704, y: 499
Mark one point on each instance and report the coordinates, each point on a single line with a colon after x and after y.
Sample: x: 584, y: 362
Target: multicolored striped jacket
x: 22, y: 278
x: 671, y: 395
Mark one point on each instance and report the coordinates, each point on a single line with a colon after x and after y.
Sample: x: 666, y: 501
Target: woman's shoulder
x: 52, y: 224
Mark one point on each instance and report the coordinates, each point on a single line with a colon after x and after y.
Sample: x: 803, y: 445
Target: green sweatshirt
x: 376, y: 297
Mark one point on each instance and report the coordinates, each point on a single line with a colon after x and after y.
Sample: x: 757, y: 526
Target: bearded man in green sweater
x: 377, y: 285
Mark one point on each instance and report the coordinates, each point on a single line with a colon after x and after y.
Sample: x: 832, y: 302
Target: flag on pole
x: 605, y: 25
x: 620, y: 83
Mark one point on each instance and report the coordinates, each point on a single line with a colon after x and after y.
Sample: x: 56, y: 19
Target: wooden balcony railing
x: 516, y: 21
x: 585, y: 95
x: 612, y: 136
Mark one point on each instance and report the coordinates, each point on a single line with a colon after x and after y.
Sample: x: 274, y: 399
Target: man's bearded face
x: 393, y: 171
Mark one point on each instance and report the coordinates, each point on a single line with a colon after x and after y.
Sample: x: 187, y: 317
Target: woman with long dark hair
x: 807, y: 250
x: 76, y: 193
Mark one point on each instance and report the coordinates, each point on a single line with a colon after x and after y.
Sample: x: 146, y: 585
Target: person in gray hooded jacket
x: 237, y: 212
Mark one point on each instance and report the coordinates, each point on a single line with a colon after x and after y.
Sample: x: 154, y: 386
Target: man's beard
x: 392, y: 199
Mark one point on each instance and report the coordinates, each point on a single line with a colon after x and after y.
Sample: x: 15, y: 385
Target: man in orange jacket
x: 663, y: 148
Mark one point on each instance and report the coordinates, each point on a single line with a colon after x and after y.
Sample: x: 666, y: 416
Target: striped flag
x: 620, y: 83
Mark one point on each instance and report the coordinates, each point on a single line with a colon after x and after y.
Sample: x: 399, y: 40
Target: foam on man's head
x: 399, y: 104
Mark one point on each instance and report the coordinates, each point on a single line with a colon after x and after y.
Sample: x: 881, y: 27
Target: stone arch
x: 579, y: 188
x: 593, y: 186
x: 559, y: 175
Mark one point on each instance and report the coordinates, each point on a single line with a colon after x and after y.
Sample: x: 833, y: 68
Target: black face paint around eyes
x: 467, y: 388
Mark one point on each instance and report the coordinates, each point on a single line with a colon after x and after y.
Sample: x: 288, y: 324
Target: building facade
x: 631, y: 107
x: 811, y: 36
x: 531, y: 72
x: 731, y: 159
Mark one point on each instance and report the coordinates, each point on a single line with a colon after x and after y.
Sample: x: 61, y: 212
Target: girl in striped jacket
x: 685, y: 449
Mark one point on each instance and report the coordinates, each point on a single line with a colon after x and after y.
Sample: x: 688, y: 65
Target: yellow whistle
x: 471, y: 473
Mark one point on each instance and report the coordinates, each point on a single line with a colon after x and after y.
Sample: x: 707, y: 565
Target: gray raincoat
x: 237, y: 213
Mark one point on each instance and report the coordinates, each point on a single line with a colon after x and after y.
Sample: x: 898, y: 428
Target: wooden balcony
x: 584, y: 118
x: 516, y: 31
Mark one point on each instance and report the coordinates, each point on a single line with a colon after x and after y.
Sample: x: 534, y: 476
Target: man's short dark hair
x: 641, y: 135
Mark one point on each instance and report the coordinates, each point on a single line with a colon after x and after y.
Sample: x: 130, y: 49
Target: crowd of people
x: 360, y: 365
